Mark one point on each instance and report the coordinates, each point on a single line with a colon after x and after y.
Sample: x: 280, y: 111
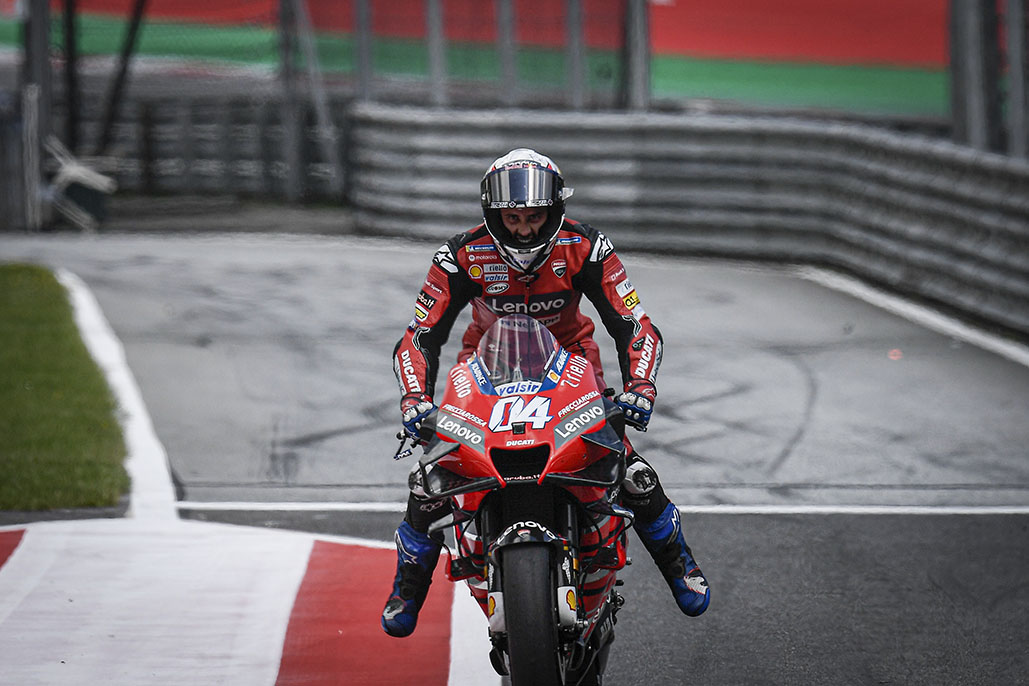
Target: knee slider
x: 640, y: 479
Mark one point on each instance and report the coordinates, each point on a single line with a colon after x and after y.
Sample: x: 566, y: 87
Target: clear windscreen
x: 517, y: 348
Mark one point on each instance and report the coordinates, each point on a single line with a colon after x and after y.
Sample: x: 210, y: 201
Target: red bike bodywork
x: 529, y: 450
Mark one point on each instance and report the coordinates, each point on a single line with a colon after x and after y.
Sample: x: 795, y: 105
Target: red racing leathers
x: 468, y: 268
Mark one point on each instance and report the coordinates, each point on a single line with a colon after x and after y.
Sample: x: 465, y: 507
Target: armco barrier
x: 920, y: 216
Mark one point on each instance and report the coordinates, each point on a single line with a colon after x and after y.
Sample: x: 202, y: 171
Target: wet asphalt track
x: 264, y: 362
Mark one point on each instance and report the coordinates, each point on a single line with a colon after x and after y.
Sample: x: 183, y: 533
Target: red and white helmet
x: 523, y: 178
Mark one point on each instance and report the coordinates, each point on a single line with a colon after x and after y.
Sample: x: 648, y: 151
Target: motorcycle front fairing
x: 523, y: 411
x: 533, y: 417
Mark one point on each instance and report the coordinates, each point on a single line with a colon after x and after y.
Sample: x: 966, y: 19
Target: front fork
x: 561, y: 536
x: 568, y: 601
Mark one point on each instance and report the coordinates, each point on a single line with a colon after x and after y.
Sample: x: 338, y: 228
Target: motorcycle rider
x: 526, y: 257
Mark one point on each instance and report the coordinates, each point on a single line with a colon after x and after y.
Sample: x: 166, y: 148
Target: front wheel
x: 530, y: 614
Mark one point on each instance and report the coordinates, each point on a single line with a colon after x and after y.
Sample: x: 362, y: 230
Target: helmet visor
x: 528, y: 186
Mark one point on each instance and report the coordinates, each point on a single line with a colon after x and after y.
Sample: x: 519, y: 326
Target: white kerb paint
x: 152, y: 495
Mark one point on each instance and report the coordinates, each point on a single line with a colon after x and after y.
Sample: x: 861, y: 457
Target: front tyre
x: 530, y: 614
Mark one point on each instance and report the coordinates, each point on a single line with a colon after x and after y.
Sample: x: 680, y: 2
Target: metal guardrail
x: 920, y: 216
x: 221, y: 145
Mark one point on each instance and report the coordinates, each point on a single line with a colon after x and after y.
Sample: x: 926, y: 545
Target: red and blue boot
x: 417, y: 555
x: 664, y: 541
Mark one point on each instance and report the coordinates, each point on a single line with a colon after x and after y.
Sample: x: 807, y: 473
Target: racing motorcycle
x: 530, y: 453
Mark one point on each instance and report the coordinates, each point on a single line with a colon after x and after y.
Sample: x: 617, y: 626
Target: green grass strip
x: 854, y: 88
x: 101, y: 35
x: 10, y: 33
x: 857, y: 88
x: 60, y: 442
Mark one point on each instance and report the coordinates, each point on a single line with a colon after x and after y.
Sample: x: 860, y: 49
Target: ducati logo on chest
x: 559, y: 267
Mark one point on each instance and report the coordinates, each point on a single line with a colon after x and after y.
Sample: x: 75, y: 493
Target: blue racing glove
x: 415, y: 407
x: 637, y: 403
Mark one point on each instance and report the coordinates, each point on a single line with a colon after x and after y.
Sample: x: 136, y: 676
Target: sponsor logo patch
x: 407, y: 372
x: 495, y: 288
x: 578, y: 403
x: 696, y: 583
x: 426, y: 300
x: 601, y: 249
x: 444, y: 258
x: 559, y: 267
x: 549, y: 321
x: 460, y: 382
x: 459, y: 430
x: 475, y: 271
x: 647, y: 357
x: 464, y: 414
x: 541, y: 304
x: 574, y: 371
x: 519, y: 387
x: 578, y: 422
x: 627, y: 293
x: 480, y: 377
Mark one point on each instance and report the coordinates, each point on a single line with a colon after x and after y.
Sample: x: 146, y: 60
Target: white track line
x: 291, y: 506
x: 469, y: 641
x: 685, y: 509
x: 929, y: 318
x: 153, y: 496
x: 856, y: 509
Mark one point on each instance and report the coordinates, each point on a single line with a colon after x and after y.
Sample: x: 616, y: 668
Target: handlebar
x: 403, y: 452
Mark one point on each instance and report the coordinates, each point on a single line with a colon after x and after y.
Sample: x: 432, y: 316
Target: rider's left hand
x: 637, y: 403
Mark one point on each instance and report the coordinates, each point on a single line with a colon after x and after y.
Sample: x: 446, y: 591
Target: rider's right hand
x: 414, y: 408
